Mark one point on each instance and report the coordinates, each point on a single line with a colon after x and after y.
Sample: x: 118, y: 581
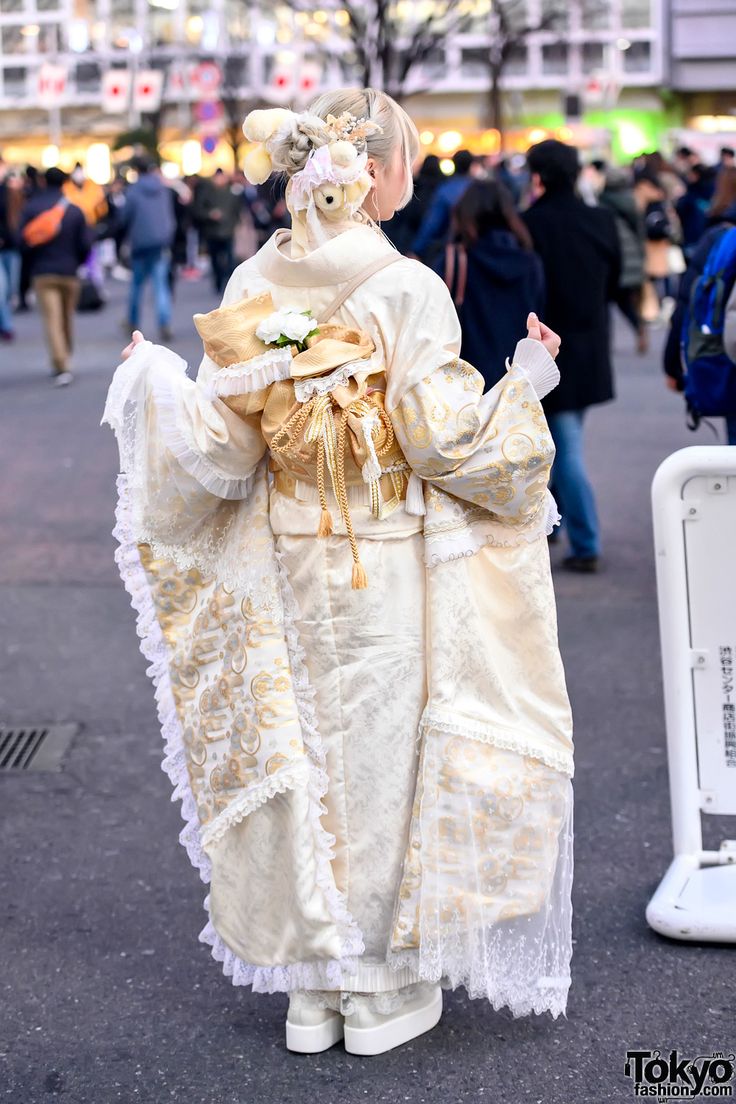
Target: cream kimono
x: 376, y: 783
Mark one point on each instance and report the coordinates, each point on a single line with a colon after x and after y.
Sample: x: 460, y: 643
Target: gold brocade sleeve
x: 492, y: 449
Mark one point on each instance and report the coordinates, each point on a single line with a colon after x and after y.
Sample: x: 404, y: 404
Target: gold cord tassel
x: 325, y: 520
x: 360, y: 579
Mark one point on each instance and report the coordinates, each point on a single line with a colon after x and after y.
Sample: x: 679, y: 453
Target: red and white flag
x: 51, y: 87
x: 147, y: 90
x: 115, y: 91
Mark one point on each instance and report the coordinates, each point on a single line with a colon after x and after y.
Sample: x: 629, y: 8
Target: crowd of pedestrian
x: 541, y: 233
x: 62, y: 236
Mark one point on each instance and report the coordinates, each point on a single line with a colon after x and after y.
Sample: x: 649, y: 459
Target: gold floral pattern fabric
x: 492, y: 449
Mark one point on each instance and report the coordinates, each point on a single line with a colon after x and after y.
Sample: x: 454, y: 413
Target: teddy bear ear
x: 257, y: 165
x: 342, y: 153
x: 262, y: 124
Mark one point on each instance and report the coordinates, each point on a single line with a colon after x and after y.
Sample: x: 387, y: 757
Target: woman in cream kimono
x: 336, y: 545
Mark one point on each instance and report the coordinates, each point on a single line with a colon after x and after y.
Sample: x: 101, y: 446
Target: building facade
x: 595, y: 72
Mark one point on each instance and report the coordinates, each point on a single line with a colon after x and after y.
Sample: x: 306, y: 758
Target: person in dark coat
x: 494, y: 276
x: 53, y: 268
x: 406, y: 223
x: 581, y: 255
x: 218, y: 210
x: 432, y: 237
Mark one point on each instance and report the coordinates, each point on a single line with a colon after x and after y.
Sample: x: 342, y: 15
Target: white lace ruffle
x: 562, y: 761
x: 252, y: 375
x: 499, y: 825
x: 312, y: 975
x: 180, y: 443
x: 305, y: 389
x: 474, y: 529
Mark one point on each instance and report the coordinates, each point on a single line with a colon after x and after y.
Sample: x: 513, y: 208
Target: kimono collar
x: 335, y: 262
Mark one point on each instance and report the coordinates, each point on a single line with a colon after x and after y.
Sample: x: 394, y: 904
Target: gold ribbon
x: 331, y: 450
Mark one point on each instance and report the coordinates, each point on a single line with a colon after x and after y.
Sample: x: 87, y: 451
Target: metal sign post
x: 694, y: 511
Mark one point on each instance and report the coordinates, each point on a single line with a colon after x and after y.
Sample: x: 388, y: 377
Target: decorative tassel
x: 325, y: 524
x: 415, y: 496
x: 360, y: 579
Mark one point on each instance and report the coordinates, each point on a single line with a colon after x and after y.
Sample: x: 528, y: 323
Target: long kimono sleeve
x: 492, y: 450
x: 186, y: 458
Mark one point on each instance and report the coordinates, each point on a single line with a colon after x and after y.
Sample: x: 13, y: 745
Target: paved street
x: 106, y: 994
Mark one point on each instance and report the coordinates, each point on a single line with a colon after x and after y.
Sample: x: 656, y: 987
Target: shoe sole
x: 401, y: 1029
x: 313, y: 1038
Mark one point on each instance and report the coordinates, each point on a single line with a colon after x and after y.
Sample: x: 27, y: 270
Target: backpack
x: 710, y: 374
x: 45, y: 227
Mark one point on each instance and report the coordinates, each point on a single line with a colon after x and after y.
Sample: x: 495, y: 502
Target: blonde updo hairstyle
x: 289, y: 150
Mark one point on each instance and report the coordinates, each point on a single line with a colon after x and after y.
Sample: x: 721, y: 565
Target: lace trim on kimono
x: 549, y: 994
x: 182, y: 445
x: 305, y: 389
x: 522, y: 963
x: 252, y: 375
x: 473, y: 529
x: 556, y: 758
x: 312, y: 975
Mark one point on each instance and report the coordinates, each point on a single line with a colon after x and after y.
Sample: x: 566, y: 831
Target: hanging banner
x: 206, y: 79
x: 147, y: 90
x: 51, y: 87
x: 115, y: 91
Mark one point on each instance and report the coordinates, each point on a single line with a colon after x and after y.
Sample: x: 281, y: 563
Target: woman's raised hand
x: 137, y: 338
x: 537, y: 331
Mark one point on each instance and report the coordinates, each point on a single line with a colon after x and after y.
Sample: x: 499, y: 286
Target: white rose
x: 296, y: 325
x: 291, y: 324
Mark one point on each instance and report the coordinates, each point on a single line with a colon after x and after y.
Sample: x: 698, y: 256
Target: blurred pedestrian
x: 663, y: 262
x: 218, y: 211
x: 31, y: 186
x: 406, y: 223
x: 692, y: 207
x: 11, y: 203
x: 434, y: 231
x: 721, y: 217
x: 618, y: 197
x: 56, y: 240
x: 580, y: 252
x: 148, y: 218
x: 494, y: 276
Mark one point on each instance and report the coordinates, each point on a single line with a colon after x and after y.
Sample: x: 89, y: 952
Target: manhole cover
x: 34, y: 747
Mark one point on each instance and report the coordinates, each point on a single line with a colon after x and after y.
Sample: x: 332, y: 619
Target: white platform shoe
x: 309, y: 1028
x: 369, y: 1032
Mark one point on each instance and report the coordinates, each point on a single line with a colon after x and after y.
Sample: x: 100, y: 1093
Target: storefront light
x: 30, y: 30
x: 536, y: 134
x: 97, y: 163
x: 320, y: 16
x: 191, y: 157
x: 449, y: 140
x: 170, y: 170
x: 426, y: 137
x: 77, y: 35
x: 194, y: 27
x: 342, y: 17
x: 49, y: 157
x: 447, y: 166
